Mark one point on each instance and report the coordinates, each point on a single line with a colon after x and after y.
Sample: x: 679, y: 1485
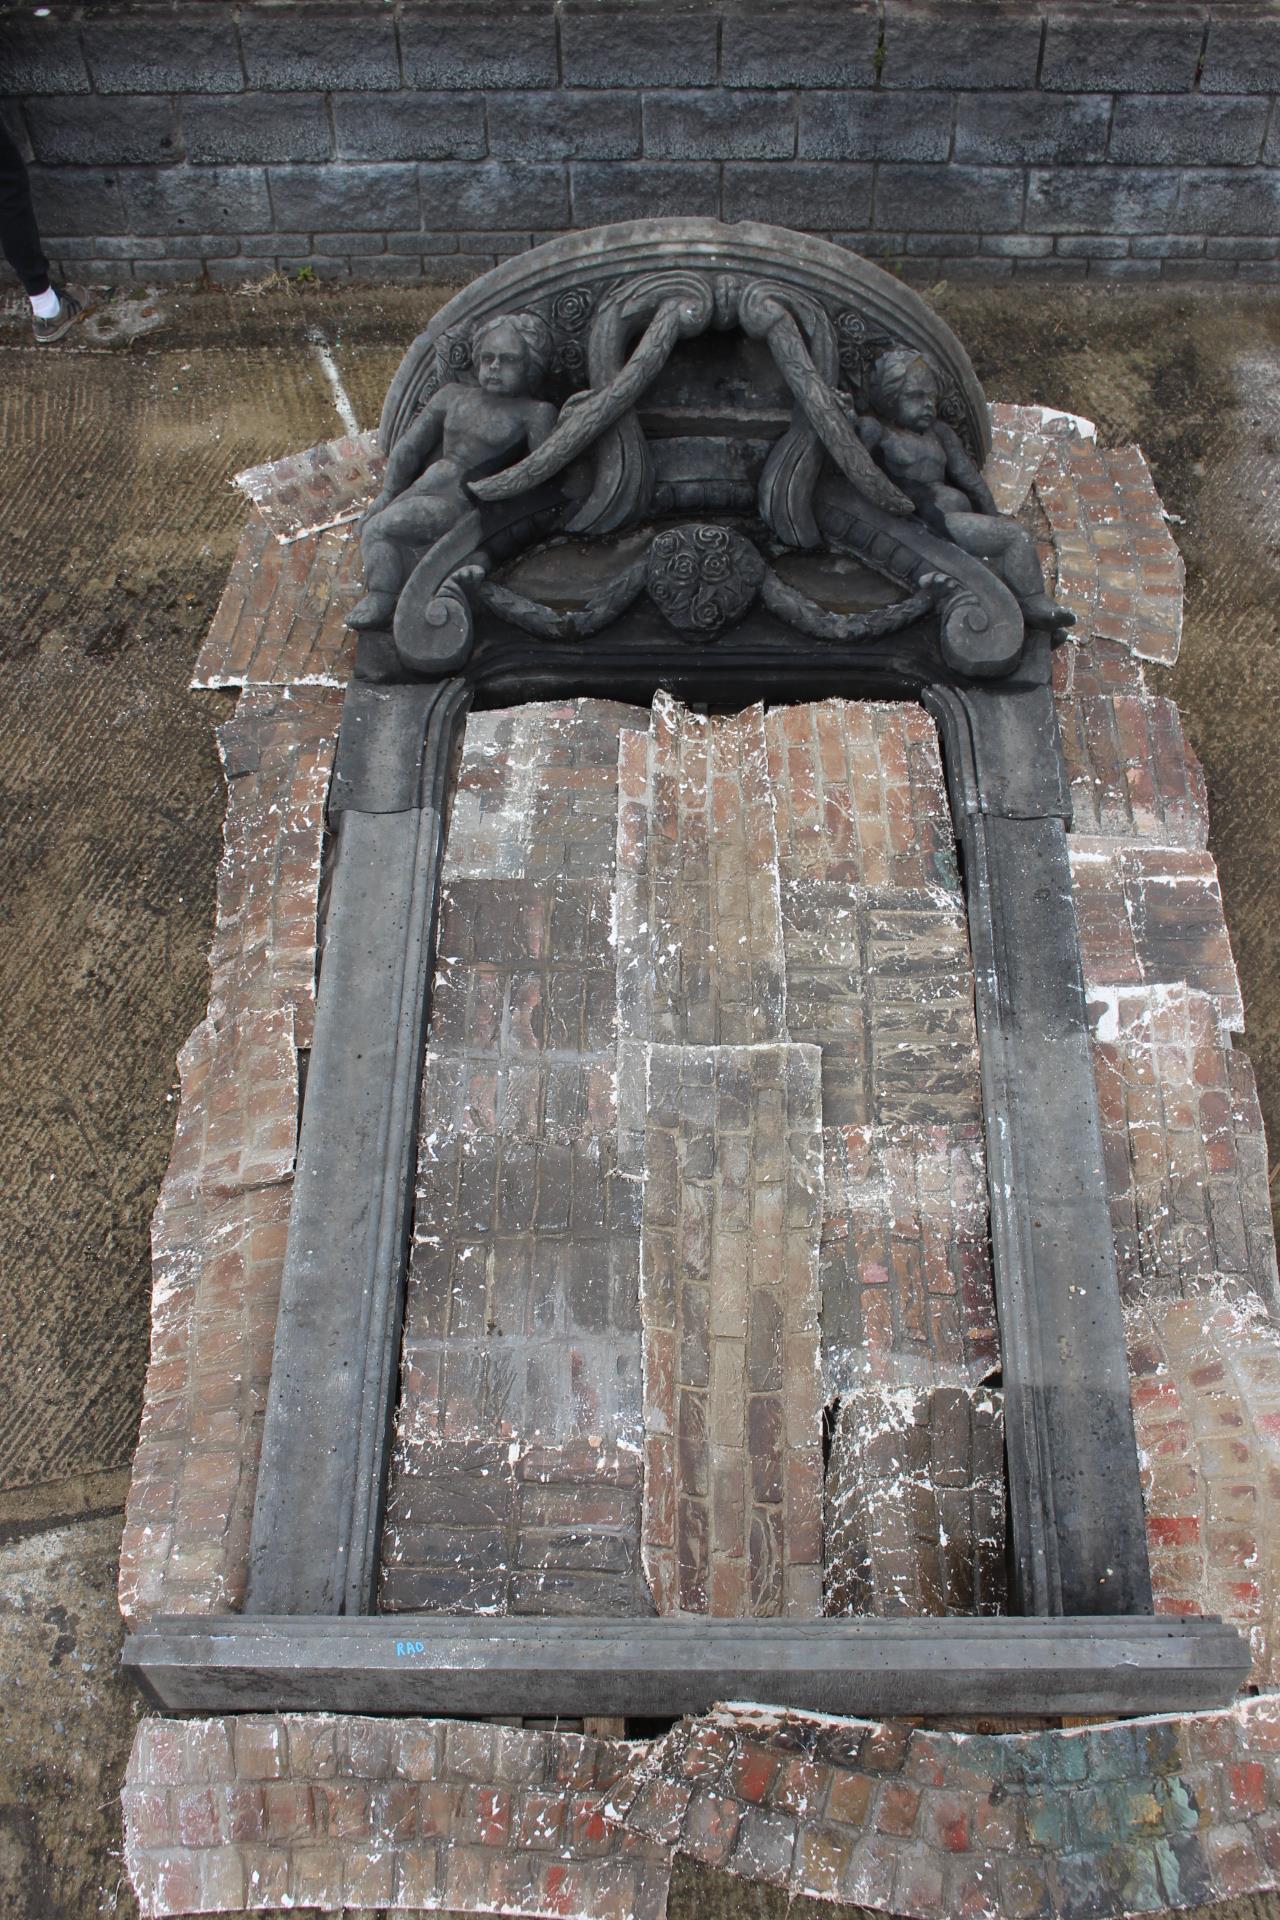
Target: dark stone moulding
x: 722, y: 397
x: 446, y: 1664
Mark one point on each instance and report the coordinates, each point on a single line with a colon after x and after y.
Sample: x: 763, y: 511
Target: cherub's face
x: 502, y: 361
x: 917, y: 403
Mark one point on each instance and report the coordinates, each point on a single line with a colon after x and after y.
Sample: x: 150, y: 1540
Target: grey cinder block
x: 800, y: 47
x: 621, y: 190
x: 941, y: 45
x: 191, y: 50
x: 820, y: 195
x: 1242, y: 55
x: 201, y: 199
x: 78, y: 200
x: 707, y: 125
x: 292, y: 49
x: 568, y: 124
x: 409, y: 126
x: 1100, y: 200
x: 1131, y: 50
x: 632, y: 48
x: 41, y: 56
x: 853, y: 125
x: 361, y: 198
x: 80, y: 131
x: 484, y: 49
x: 262, y: 127
x: 988, y: 199
x: 494, y: 195
x: 1026, y: 129
x: 1153, y: 130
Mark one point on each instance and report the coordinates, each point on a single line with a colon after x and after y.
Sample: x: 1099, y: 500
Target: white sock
x: 46, y: 305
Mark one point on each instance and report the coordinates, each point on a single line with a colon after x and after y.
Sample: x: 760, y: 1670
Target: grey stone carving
x: 702, y: 579
x: 610, y: 455
x: 477, y: 427
x: 927, y: 460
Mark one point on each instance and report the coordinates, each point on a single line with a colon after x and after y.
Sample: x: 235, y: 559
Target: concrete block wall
x: 400, y: 140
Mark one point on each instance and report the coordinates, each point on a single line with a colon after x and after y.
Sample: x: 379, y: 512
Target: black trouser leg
x: 19, y: 235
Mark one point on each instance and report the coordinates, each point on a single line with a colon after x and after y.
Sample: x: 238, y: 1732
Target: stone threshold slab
x: 447, y: 1664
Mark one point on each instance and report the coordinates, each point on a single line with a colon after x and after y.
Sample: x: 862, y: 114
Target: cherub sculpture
x: 479, y: 429
x: 921, y: 455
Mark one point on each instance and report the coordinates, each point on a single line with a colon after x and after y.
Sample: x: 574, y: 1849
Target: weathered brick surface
x: 914, y: 1519
x: 321, y: 487
x: 792, y: 875
x: 1118, y: 568
x: 906, y: 1262
x: 516, y: 1481
x: 280, y: 619
x: 729, y: 1289
x: 1184, y: 1151
x: 1206, y: 1402
x: 219, y: 1229
x: 1152, y: 916
x: 330, y: 1811
x: 1132, y: 774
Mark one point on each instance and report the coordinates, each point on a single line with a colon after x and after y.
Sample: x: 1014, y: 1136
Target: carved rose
x: 702, y: 578
x: 571, y: 309
x: 571, y: 360
x: 455, y: 352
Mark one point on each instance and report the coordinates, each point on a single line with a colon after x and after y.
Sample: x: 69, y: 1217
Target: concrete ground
x: 117, y: 525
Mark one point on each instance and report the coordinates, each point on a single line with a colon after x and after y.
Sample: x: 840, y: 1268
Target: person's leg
x: 19, y: 234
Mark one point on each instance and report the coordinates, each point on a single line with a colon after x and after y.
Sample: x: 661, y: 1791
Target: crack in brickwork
x: 218, y: 1234
x: 516, y: 1478
x: 729, y: 1280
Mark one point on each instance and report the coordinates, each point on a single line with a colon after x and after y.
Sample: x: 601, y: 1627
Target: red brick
x: 898, y: 1808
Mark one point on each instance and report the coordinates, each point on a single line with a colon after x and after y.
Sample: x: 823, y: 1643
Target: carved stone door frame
x: 1086, y: 1640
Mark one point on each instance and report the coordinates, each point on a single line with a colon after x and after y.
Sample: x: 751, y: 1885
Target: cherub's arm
x: 963, y: 472
x: 542, y: 418
x: 410, y: 454
x: 870, y: 430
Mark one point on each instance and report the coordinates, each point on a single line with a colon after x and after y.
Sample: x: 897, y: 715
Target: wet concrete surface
x: 117, y: 525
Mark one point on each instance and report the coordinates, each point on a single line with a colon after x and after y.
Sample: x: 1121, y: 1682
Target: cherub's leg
x: 1011, y: 548
x: 415, y: 520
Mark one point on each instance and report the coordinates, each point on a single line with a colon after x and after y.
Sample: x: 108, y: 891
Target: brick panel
x: 1152, y: 916
x: 329, y: 1811
x: 1206, y: 1406
x: 914, y: 1508
x: 729, y: 1295
x: 906, y: 1261
x: 218, y: 1234
x: 320, y: 487
x: 1132, y: 774
x: 1183, y: 1146
x: 521, y: 1369
x: 280, y: 619
x: 1118, y: 568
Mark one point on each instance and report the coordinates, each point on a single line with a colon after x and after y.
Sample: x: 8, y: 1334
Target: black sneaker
x: 73, y: 304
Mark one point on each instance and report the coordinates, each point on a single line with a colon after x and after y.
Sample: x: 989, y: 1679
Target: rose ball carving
x: 702, y: 578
